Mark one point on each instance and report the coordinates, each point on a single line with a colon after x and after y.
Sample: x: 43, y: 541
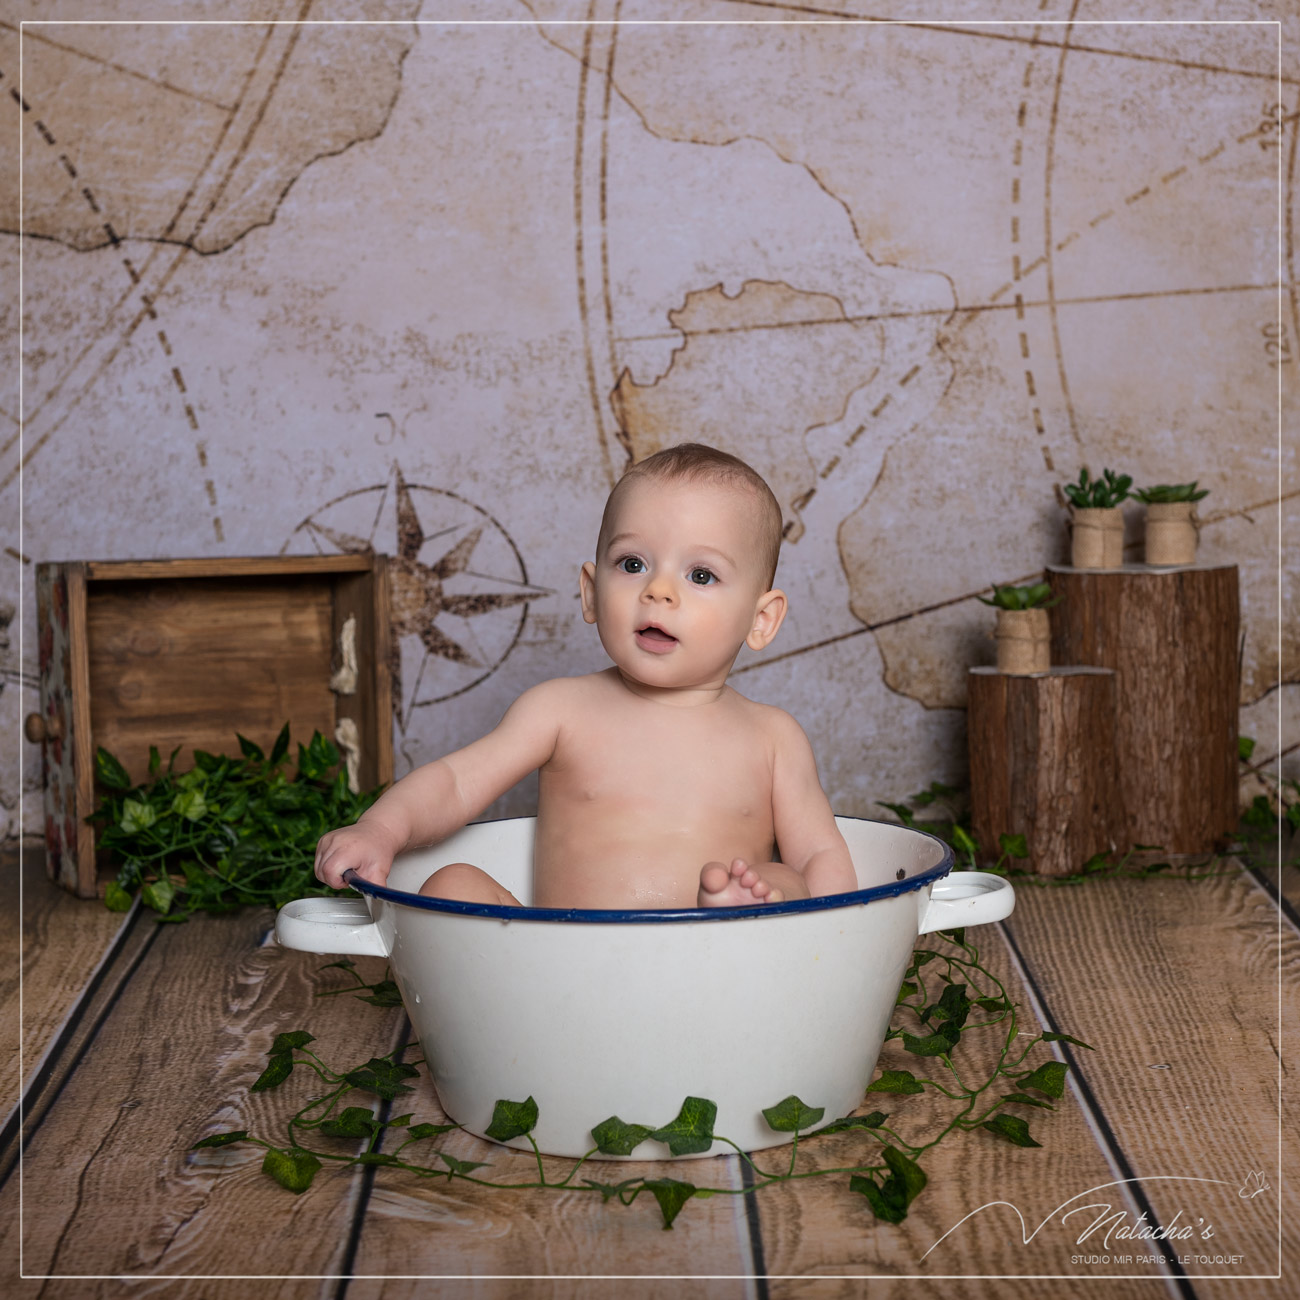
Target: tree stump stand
x: 1042, y: 764
x: 1171, y: 637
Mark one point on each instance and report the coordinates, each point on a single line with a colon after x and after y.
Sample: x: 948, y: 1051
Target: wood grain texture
x: 110, y: 1184
x: 81, y: 736
x: 1042, y: 764
x: 820, y: 1228
x: 247, y: 566
x: 435, y: 1229
x: 1182, y: 987
x: 1171, y: 636
x: 63, y: 941
x: 191, y: 662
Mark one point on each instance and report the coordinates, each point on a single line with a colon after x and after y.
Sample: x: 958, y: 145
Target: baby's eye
x: 631, y: 564
x: 702, y: 577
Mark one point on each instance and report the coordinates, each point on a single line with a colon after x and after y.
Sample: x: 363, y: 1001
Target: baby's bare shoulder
x: 774, y: 723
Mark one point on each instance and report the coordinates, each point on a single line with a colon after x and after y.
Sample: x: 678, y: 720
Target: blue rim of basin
x: 670, y: 916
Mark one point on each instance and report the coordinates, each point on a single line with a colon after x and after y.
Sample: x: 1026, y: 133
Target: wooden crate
x: 188, y: 652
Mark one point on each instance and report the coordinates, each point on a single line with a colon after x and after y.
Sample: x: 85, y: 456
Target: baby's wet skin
x: 739, y: 885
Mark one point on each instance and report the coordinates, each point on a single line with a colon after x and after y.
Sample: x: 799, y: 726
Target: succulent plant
x: 1031, y: 597
x: 1167, y: 493
x: 1098, y: 493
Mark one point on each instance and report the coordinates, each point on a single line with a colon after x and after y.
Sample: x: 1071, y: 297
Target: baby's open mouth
x: 655, y: 638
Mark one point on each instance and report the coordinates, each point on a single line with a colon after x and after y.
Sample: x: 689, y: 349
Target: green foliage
x: 1038, y: 595
x: 512, y: 1119
x: 1168, y: 493
x: 947, y: 988
x: 791, y: 1115
x: 1098, y: 494
x: 692, y: 1130
x: 228, y: 832
x: 1245, y: 748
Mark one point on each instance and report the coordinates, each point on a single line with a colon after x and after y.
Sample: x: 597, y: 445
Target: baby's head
x: 684, y: 568
x: 693, y: 462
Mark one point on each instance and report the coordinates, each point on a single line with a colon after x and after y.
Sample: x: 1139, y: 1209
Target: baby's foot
x: 739, y: 886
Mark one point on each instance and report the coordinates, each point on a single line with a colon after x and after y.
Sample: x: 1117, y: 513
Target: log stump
x: 1171, y: 637
x: 1042, y: 764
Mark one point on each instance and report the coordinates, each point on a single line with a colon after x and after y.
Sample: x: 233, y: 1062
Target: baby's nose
x: 661, y: 587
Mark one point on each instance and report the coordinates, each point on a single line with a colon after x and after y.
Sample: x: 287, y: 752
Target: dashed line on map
x: 178, y: 378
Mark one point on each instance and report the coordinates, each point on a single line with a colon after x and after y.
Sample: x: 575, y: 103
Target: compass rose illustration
x: 458, y: 586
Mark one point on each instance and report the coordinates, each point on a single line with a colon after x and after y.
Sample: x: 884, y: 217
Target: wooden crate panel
x: 193, y: 662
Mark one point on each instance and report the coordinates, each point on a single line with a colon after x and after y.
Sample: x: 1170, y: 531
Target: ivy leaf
x: 850, y: 1122
x: 117, y: 899
x: 903, y: 1082
x: 512, y: 1119
x: 930, y: 1045
x: 383, y: 994
x: 609, y: 1190
x: 288, y: 1042
x: 249, y: 749
x: 354, y: 1122
x: 993, y: 1004
x: 382, y: 1077
x: 1245, y: 747
x: 419, y: 1131
x: 377, y: 1158
x: 1065, y: 1038
x: 159, y: 894
x: 901, y: 811
x: 137, y: 816
x: 281, y: 746
x: 905, y: 991
x: 109, y: 772
x: 191, y: 805
x: 614, y: 1138
x: 292, y: 1169
x: 963, y: 841
x: 1023, y: 1099
x: 952, y: 1007
x: 890, y: 1199
x: 670, y: 1193
x: 221, y: 1139
x: 461, y: 1167
x: 206, y: 762
x: 400, y: 1121
x: 692, y: 1130
x: 1014, y: 1129
x: 155, y: 761
x: 884, y: 1209
x: 1048, y: 1079
x: 1015, y: 846
x: 791, y: 1115
x: 278, y: 1069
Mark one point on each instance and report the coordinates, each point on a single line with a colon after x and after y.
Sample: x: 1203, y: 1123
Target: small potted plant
x: 1171, y: 522
x: 1097, y: 523
x: 1022, y: 630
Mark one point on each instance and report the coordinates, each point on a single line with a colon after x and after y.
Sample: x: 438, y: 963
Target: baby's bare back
x: 639, y: 795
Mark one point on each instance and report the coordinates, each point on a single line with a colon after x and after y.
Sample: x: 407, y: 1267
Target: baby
x: 659, y: 785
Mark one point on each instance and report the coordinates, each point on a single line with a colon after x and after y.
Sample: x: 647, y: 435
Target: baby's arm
x: 802, y: 820
x: 439, y: 798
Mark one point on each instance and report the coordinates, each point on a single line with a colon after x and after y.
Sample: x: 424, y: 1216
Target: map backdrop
x: 287, y: 285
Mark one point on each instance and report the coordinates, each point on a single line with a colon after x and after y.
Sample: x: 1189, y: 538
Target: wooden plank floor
x: 154, y: 1034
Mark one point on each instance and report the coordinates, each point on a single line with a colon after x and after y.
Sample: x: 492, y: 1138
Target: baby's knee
x: 462, y: 882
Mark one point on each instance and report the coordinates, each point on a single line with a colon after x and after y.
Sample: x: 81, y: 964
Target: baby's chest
x: 726, y: 769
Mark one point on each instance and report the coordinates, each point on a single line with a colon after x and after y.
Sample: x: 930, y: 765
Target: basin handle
x: 966, y: 898
x: 334, y: 925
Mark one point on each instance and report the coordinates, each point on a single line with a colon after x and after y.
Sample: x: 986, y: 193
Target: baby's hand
x: 358, y: 848
x: 742, y: 885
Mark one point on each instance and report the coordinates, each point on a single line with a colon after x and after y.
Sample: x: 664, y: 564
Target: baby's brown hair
x: 694, y: 461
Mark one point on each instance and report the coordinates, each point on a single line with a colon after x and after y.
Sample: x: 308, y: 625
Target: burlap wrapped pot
x: 1023, y: 646
x: 1171, y: 533
x: 1097, y: 538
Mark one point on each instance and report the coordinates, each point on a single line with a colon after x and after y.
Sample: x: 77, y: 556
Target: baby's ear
x: 587, y: 590
x: 768, y: 617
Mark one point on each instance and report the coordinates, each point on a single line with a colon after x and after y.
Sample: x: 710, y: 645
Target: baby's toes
x: 714, y: 878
